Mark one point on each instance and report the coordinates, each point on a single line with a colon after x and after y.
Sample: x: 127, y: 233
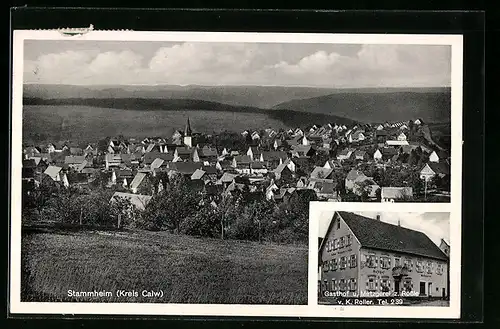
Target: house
x: 258, y: 168
x: 273, y: 158
x: 208, y: 154
x: 324, y: 189
x: 303, y: 151
x: 253, y: 153
x: 112, y: 160
x: 56, y: 175
x: 360, y: 256
x: 388, y: 153
x: 379, y: 127
x: 184, y: 168
x: 445, y: 247
x: 277, y: 144
x: 401, y: 137
x: 137, y: 200
x: 377, y: 155
x: 226, y: 179
x: 241, y: 161
x: 360, y: 155
x: 184, y: 154
x: 270, y: 190
x: 77, y: 179
x: 381, y: 136
x: 305, y: 141
x: 150, y: 157
x: 355, y: 179
x: 283, y: 172
x: 392, y: 194
x: 438, y: 156
x: 356, y: 136
x: 199, y: 174
x: 74, y: 161
x: 418, y: 122
x: 255, y: 136
x: 331, y: 164
x: 345, y: 154
x: 432, y: 169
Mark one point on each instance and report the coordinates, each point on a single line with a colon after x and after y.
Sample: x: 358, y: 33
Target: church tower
x: 188, y: 139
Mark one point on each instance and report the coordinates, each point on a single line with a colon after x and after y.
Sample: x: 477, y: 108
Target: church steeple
x: 187, y: 130
x: 188, y: 141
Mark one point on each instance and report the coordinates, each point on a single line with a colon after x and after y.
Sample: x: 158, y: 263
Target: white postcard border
x: 310, y: 310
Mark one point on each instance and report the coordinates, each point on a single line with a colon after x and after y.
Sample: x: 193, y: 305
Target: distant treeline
x: 288, y: 117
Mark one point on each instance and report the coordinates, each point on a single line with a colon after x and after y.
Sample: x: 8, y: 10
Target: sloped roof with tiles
x: 373, y: 233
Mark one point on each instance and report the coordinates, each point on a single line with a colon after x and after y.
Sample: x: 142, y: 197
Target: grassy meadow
x: 187, y: 269
x: 87, y: 123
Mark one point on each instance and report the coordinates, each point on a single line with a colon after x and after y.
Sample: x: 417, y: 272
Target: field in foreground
x: 186, y: 269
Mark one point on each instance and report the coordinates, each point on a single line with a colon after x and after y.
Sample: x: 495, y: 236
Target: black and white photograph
x: 384, y: 258
x: 178, y: 168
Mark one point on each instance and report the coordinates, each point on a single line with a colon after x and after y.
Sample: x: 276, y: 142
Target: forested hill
x: 430, y: 105
x: 288, y: 117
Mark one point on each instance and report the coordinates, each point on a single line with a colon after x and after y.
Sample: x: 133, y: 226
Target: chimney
x: 378, y: 217
x: 399, y: 222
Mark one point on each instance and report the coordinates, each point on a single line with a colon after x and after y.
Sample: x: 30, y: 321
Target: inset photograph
x: 383, y: 258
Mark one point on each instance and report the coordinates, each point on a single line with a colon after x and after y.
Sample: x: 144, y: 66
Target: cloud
x: 245, y: 63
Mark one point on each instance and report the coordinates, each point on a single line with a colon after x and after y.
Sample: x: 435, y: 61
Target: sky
x: 210, y: 63
x: 436, y: 225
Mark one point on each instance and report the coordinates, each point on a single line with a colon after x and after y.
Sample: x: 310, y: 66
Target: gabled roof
x: 52, y: 171
x: 157, y: 163
x: 139, y: 177
x: 280, y: 168
x: 372, y: 233
x: 198, y: 174
x: 184, y: 151
x: 151, y: 156
x: 439, y: 167
x: 207, y: 152
x: 227, y: 177
x: 320, y: 172
x: 186, y: 168
x: 209, y: 170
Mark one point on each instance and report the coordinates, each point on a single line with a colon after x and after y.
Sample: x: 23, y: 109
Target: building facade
x: 362, y: 257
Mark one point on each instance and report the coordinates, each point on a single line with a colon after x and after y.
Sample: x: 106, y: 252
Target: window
x: 352, y: 261
x: 397, y: 261
x: 335, y: 264
x: 337, y: 244
x: 385, y: 262
x: 407, y: 285
x: 352, y: 284
x: 342, y: 242
x: 430, y: 267
x: 349, y: 239
x: 419, y: 267
x: 343, y: 262
x: 371, y: 261
x: 439, y: 269
x: 338, y: 224
x: 371, y: 284
x: 328, y: 246
x: 409, y: 264
x: 385, y: 284
x: 343, y: 285
x: 325, y: 266
x: 333, y: 287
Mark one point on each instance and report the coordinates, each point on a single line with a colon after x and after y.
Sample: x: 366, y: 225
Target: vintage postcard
x: 172, y: 173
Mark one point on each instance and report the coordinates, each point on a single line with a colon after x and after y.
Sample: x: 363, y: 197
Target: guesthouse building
x: 361, y: 256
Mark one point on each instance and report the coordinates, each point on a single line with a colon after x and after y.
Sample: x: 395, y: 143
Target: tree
x: 170, y: 207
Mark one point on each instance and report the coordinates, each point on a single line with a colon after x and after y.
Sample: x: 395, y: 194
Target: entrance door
x: 422, y: 288
x: 443, y: 293
x: 429, y: 291
x: 396, y: 286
